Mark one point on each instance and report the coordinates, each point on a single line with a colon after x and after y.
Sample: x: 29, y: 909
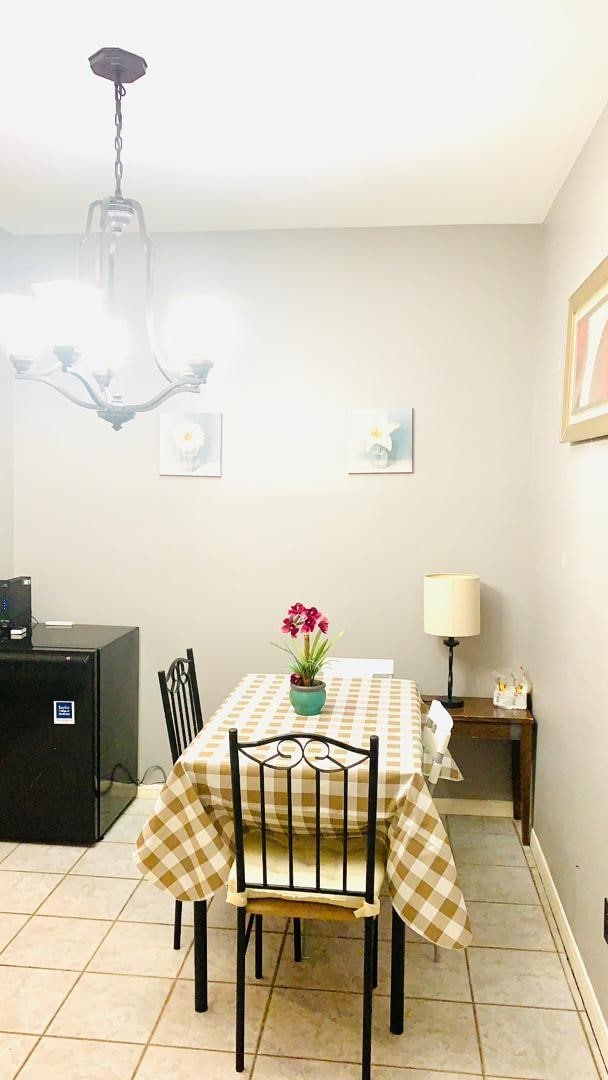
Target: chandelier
x: 71, y: 329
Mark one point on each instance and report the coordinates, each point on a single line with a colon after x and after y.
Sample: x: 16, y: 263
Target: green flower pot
x: 308, y: 700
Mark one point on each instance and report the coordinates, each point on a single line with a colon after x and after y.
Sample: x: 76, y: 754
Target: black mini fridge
x: 68, y: 732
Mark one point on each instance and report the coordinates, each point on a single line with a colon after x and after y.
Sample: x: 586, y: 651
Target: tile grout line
x: 588, y: 1042
x: 473, y: 999
x: 396, y: 1068
x: 157, y: 1021
x: 62, y: 877
x: 546, y: 907
x: 167, y: 996
x: 164, y: 1004
x: 475, y: 1016
x: 40, y: 1036
x: 571, y: 978
x: 26, y: 923
x: 539, y: 888
x: 170, y: 992
x: 80, y: 973
x: 13, y: 936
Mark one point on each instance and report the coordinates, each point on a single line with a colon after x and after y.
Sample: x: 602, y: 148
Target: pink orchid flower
x: 308, y: 623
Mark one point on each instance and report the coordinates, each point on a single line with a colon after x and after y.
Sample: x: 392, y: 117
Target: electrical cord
x: 111, y: 780
x: 150, y: 769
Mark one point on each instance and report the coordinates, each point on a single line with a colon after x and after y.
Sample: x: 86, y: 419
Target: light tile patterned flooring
x: 90, y: 986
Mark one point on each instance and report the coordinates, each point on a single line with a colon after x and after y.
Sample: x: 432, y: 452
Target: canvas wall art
x: 190, y: 444
x: 585, y: 403
x: 380, y: 441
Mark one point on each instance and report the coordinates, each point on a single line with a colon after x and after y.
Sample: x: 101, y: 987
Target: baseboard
x: 476, y: 807
x: 594, y: 1012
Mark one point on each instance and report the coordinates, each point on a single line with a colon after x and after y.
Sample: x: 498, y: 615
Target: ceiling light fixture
x: 77, y: 322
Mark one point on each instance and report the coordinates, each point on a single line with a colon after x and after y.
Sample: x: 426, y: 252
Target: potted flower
x: 307, y: 692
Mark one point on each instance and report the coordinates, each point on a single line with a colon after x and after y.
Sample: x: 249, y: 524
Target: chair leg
x: 375, y: 982
x: 397, y: 974
x: 241, y: 949
x: 368, y: 989
x: 436, y: 954
x: 297, y: 940
x: 177, y: 925
x: 200, y: 956
x: 304, y: 938
x: 259, y: 946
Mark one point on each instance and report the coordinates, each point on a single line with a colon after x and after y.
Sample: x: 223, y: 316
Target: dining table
x: 186, y: 845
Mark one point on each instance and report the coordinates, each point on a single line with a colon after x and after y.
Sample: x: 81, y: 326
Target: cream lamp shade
x: 451, y: 605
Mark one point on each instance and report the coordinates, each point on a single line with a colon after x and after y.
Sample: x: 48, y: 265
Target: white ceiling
x: 300, y: 113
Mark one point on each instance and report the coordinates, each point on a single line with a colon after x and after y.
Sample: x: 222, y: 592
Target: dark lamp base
x: 451, y: 703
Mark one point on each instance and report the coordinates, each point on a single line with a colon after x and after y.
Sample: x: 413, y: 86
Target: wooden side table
x: 480, y: 719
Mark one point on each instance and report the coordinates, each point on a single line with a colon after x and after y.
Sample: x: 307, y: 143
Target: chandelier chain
x: 119, y: 93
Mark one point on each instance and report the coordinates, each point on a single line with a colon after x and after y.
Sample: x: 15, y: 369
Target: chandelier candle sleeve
x: 451, y: 611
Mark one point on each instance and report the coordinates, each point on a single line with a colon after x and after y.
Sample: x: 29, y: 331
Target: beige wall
x: 441, y: 319
x: 6, y: 426
x: 570, y: 591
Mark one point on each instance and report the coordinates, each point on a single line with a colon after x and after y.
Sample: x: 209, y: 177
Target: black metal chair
x: 304, y: 875
x: 184, y: 719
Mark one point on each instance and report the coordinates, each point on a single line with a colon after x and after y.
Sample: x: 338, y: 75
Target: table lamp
x: 451, y: 611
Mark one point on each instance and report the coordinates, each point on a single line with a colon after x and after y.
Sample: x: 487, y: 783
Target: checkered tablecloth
x: 186, y: 845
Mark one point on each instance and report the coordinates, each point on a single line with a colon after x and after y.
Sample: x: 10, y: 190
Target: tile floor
x: 90, y: 986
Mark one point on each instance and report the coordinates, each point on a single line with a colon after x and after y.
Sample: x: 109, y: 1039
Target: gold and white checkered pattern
x: 186, y: 845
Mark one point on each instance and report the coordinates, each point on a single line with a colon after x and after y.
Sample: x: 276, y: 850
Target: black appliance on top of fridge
x: 68, y: 732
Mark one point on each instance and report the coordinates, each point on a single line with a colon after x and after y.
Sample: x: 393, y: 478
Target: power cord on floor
x: 150, y: 769
x: 111, y: 780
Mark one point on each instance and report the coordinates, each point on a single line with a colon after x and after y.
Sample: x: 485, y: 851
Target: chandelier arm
x: 94, y: 396
x: 177, y: 387
x: 150, y: 317
x: 51, y: 371
x: 60, y: 390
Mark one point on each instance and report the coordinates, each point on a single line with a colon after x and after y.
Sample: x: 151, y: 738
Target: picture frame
x: 190, y: 444
x: 381, y: 441
x: 585, y: 394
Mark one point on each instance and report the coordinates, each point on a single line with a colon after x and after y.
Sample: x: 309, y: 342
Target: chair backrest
x: 436, y: 732
x: 318, y: 768
x: 358, y: 666
x: 181, y: 703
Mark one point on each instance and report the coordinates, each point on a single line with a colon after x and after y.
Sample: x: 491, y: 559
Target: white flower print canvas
x: 380, y: 441
x: 190, y: 444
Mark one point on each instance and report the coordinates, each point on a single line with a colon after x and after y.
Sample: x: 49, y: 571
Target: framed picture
x: 380, y: 441
x: 190, y: 444
x: 585, y: 405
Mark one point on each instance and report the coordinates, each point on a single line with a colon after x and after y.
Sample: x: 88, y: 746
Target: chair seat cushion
x: 304, y: 870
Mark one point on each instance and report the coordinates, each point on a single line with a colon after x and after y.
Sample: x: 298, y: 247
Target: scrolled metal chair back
x: 181, y: 703
x: 294, y: 755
